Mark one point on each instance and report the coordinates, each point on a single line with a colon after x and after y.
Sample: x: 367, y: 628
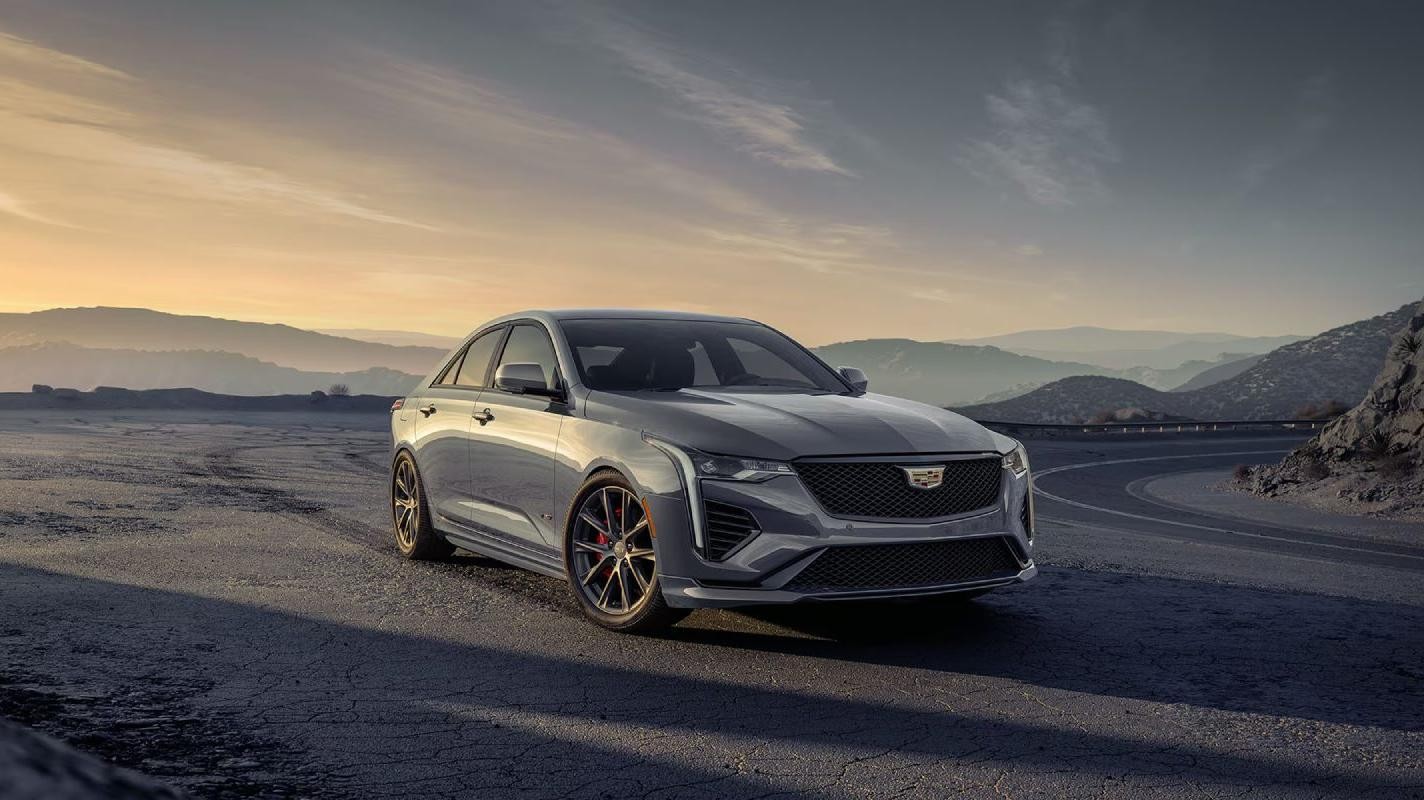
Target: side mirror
x: 523, y: 379
x: 855, y: 378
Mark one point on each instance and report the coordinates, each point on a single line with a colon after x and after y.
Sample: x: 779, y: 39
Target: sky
x: 840, y: 170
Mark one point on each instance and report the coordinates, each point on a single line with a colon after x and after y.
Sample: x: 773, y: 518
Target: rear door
x: 512, y: 452
x: 443, y: 419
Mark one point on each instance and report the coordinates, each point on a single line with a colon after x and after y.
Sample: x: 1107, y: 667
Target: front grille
x: 1025, y: 518
x: 880, y: 489
x: 907, y: 566
x: 727, y: 527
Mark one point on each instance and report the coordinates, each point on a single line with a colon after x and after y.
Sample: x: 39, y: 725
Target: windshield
x: 669, y: 354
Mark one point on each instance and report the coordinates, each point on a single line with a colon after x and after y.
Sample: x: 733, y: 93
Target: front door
x: 512, y: 447
x: 442, y: 424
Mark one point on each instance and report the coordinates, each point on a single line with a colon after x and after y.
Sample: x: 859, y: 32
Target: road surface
x: 214, y: 601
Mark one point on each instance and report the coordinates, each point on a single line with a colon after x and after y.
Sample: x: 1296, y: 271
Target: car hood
x: 783, y: 426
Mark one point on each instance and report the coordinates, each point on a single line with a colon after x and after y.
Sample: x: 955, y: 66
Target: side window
x: 529, y: 344
x: 477, y: 359
x: 447, y: 378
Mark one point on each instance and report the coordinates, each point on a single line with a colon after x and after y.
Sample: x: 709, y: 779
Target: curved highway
x: 1100, y: 483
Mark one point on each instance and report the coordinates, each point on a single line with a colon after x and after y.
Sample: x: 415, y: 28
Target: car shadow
x: 389, y: 712
x: 1166, y: 640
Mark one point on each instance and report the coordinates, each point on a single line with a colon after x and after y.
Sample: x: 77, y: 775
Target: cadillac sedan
x: 661, y: 462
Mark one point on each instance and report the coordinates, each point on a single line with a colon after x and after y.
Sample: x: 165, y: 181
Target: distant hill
x: 947, y: 374
x: 397, y: 338
x: 944, y: 374
x: 61, y: 364
x: 1170, y: 379
x: 114, y: 398
x: 1121, y: 349
x: 1219, y: 373
x: 143, y: 329
x: 1339, y: 365
x: 1075, y: 399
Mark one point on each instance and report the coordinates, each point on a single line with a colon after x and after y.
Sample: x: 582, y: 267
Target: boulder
x: 1375, y: 447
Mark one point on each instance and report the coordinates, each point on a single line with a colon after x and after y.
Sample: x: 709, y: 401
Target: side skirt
x: 536, y: 558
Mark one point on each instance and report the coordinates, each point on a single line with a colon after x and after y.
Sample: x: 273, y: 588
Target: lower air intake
x: 907, y: 566
x: 727, y: 527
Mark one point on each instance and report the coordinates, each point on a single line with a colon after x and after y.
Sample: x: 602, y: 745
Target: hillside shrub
x: 40, y: 388
x: 318, y: 396
x: 339, y: 390
x: 66, y: 394
x: 1407, y: 345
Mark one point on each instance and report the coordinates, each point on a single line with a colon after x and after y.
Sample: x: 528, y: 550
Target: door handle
x: 427, y: 410
x: 483, y: 416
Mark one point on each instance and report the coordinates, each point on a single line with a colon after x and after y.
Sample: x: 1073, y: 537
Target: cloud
x: 1312, y: 116
x: 1029, y: 250
x: 769, y: 130
x: 25, y: 51
x: 734, y: 223
x: 1046, y: 142
x: 94, y: 123
x: 9, y: 204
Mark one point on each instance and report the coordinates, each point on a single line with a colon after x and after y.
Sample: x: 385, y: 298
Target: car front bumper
x: 795, y: 531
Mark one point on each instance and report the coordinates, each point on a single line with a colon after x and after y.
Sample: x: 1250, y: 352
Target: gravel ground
x: 214, y: 602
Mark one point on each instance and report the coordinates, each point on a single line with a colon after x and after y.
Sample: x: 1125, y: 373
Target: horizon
x: 971, y: 341
x: 1049, y: 166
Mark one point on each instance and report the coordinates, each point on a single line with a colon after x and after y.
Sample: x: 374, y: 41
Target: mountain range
x: 1335, y: 366
x: 143, y: 349
x: 1123, y: 349
x: 62, y: 364
x: 143, y: 329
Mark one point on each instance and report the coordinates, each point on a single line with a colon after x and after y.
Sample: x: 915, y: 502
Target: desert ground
x: 213, y: 600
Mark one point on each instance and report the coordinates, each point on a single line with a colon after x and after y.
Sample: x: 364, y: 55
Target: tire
x: 629, y: 566
x: 416, y: 538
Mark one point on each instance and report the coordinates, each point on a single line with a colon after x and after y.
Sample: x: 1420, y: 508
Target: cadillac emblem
x: 924, y: 477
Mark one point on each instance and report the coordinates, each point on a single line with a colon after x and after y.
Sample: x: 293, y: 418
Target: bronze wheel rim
x: 612, y: 559
x: 405, y: 503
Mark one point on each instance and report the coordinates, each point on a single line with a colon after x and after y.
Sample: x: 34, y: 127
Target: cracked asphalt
x: 214, y: 601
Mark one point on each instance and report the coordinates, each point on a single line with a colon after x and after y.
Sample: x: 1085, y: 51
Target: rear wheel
x: 610, y: 559
x: 416, y: 537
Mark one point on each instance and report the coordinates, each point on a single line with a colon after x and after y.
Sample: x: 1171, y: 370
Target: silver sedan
x: 662, y: 461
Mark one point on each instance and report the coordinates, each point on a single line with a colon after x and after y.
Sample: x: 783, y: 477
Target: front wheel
x: 610, y: 559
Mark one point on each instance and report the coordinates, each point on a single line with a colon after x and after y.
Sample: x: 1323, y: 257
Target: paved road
x: 215, y: 602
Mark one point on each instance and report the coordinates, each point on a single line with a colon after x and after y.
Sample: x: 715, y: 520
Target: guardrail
x: 1194, y: 426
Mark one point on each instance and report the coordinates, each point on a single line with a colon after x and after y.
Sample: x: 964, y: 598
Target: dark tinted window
x: 477, y: 359
x: 529, y: 344
x: 633, y: 354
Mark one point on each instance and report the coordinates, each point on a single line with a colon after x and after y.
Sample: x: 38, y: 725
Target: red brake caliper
x: 602, y: 539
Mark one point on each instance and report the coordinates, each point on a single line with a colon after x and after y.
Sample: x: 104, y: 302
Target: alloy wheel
x: 612, y: 558
x: 405, y: 503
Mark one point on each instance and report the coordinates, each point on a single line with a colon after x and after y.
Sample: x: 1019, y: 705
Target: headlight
x: 1017, y: 461
x: 724, y: 468
x: 737, y: 469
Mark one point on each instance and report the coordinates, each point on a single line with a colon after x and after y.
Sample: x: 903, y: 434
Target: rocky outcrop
x: 1370, y: 457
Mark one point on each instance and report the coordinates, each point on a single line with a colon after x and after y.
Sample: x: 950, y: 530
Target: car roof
x: 558, y: 314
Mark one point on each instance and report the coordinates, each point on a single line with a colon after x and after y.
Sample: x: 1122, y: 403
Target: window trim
x: 502, y: 331
x: 458, y: 361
